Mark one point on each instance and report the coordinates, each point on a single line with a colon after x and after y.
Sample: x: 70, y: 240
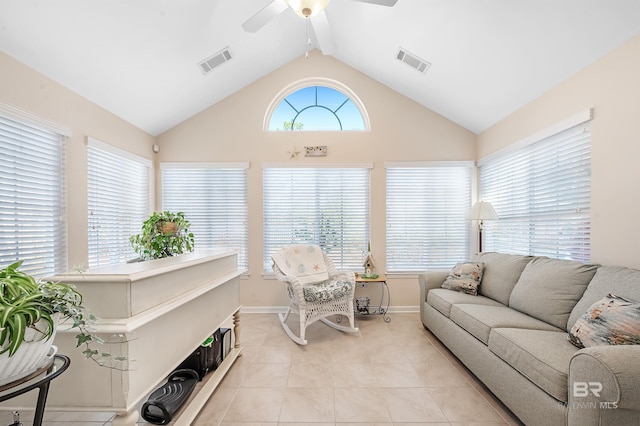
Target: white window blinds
x: 427, y: 206
x: 328, y: 206
x: 118, y: 202
x: 213, y: 198
x: 32, y: 198
x: 542, y: 195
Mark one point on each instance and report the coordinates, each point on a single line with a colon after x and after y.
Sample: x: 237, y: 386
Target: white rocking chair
x: 316, y: 289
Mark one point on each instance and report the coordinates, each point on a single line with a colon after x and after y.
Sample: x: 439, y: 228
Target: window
x: 32, y: 193
x: 328, y: 206
x: 427, y: 204
x: 316, y: 105
x: 118, y: 201
x: 213, y: 198
x: 541, y: 192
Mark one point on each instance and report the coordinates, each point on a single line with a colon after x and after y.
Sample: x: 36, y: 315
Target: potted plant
x: 29, y: 314
x: 164, y: 234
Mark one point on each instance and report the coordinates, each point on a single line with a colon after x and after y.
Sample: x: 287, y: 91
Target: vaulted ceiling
x: 139, y: 58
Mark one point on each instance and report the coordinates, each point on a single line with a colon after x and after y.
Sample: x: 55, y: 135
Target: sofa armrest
x: 429, y: 280
x: 613, y: 368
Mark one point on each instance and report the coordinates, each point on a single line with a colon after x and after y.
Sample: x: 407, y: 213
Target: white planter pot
x: 32, y: 353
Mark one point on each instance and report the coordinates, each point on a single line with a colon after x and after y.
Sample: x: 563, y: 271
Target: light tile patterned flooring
x: 393, y: 373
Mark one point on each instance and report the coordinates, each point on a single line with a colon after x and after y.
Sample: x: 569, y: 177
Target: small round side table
x: 52, y: 369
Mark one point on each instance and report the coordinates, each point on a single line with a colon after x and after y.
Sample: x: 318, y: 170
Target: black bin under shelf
x: 165, y: 401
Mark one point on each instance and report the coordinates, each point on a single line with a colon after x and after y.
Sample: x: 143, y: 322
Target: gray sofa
x: 513, y: 336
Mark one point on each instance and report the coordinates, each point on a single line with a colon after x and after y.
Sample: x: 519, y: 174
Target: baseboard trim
x: 280, y: 309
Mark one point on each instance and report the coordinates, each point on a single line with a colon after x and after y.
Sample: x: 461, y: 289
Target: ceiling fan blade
x: 322, y: 30
x: 388, y: 3
x: 266, y: 14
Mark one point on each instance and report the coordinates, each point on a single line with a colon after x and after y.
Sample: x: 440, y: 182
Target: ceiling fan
x: 312, y: 10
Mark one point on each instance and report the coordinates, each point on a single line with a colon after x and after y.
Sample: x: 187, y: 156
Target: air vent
x: 413, y: 61
x: 215, y: 61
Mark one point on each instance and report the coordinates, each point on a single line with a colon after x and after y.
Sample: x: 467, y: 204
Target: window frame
x: 241, y: 243
x: 53, y: 260
x: 365, y: 205
x: 317, y: 81
x: 430, y: 173
x: 559, y: 227
x: 136, y: 214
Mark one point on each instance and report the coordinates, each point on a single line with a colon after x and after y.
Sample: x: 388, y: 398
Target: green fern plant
x: 29, y: 303
x: 163, y: 234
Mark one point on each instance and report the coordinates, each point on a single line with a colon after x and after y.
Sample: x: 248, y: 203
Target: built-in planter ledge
x: 128, y: 289
x: 164, y: 309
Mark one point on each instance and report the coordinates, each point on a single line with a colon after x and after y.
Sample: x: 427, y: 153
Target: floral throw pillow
x: 465, y: 277
x: 612, y: 320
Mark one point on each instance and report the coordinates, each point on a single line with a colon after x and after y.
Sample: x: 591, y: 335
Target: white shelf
x: 202, y: 393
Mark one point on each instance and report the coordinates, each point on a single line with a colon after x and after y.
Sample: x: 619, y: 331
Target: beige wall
x: 401, y: 130
x: 611, y: 86
x: 29, y: 90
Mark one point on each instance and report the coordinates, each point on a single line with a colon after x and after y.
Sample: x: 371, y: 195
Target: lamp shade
x: 482, y: 211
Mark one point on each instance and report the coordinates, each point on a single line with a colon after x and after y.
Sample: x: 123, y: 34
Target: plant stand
x: 56, y: 366
x: 381, y: 308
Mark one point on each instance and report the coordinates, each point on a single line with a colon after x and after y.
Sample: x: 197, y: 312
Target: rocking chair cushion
x: 327, y: 290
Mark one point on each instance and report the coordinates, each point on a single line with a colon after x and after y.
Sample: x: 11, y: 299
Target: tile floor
x: 392, y: 373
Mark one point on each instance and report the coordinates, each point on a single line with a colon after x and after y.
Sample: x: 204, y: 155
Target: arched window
x: 316, y: 105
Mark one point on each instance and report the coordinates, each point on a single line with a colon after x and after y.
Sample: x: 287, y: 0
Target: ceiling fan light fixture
x: 306, y: 8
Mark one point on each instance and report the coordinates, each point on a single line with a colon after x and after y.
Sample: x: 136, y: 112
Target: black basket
x: 205, y: 358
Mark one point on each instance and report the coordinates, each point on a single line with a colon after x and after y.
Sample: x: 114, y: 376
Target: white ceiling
x: 138, y: 58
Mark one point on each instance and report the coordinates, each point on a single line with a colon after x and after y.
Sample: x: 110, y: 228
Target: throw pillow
x: 612, y: 320
x: 465, y: 277
x: 616, y: 280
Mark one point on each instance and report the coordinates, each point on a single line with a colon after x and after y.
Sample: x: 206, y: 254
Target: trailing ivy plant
x: 29, y: 303
x: 163, y: 234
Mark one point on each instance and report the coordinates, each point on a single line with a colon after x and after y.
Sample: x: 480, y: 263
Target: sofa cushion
x: 443, y: 299
x: 500, y: 274
x: 478, y: 320
x: 464, y: 277
x: 541, y: 356
x: 612, y: 320
x: 623, y: 282
x: 548, y: 289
